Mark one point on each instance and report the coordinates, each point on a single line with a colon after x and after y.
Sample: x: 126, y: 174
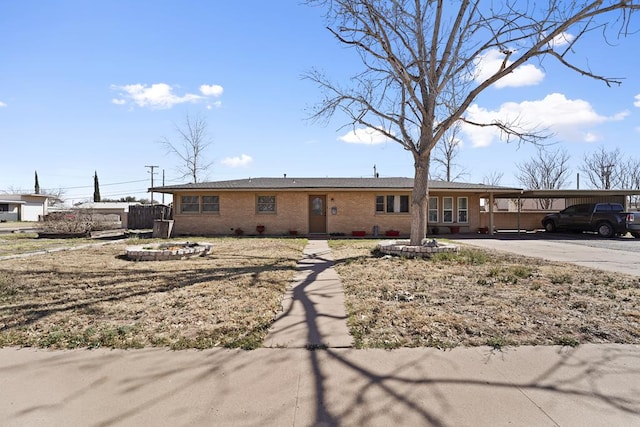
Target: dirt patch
x: 479, y: 297
x: 97, y: 298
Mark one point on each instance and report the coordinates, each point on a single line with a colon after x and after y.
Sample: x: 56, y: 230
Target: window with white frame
x: 189, y: 204
x: 433, y: 210
x: 210, y: 204
x: 447, y: 209
x: 463, y: 209
x: 266, y: 204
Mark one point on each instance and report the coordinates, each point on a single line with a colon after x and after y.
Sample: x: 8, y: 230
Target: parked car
x: 607, y: 219
x: 633, y: 224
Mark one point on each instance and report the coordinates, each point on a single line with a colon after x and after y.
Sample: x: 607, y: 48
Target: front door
x: 317, y: 214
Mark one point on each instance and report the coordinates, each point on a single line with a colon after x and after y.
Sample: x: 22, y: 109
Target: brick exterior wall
x: 354, y: 210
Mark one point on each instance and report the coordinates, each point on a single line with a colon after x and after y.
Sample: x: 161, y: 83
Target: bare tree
x: 604, y: 169
x: 631, y: 180
x: 192, y: 141
x: 546, y: 170
x: 446, y: 151
x: 420, y: 62
x: 493, y: 178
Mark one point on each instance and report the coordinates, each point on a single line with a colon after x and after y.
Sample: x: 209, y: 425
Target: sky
x: 94, y: 86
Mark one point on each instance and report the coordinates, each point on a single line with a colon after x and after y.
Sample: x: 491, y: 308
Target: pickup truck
x: 633, y: 224
x: 607, y: 219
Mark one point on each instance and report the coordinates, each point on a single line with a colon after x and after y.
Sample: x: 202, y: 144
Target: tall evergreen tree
x: 37, y: 185
x: 96, y: 188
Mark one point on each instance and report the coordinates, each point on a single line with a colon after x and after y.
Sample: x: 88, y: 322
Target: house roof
x: 287, y: 183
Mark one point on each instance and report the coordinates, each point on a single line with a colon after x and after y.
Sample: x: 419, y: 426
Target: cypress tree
x: 96, y: 188
x: 37, y: 186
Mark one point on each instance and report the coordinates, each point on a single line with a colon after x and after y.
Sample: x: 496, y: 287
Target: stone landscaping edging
x: 404, y: 249
x: 167, y: 251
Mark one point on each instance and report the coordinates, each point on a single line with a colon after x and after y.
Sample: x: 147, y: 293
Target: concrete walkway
x: 591, y: 385
x: 314, y: 314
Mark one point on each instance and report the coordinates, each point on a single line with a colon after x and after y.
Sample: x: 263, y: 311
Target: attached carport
x: 571, y: 197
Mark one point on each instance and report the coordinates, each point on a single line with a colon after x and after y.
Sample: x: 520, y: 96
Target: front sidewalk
x: 591, y: 385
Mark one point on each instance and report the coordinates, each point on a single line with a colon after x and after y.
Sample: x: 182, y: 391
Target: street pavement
x: 310, y: 377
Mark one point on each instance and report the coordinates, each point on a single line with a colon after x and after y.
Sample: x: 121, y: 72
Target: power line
x: 152, y: 173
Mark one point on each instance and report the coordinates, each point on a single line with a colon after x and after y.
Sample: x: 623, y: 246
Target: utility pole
x: 152, y: 173
x: 163, y: 186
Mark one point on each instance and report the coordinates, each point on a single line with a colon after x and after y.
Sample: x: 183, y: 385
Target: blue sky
x: 93, y: 86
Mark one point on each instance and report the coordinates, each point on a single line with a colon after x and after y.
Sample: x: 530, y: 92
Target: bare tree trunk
x: 420, y: 199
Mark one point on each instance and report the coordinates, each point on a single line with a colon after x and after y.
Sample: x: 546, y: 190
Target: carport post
x: 491, y: 214
x: 519, y: 210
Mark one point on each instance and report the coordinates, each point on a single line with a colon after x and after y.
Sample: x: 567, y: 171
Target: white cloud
x: 637, y: 100
x: 490, y: 63
x: 568, y: 119
x: 368, y: 136
x: 211, y: 90
x: 2, y: 104
x: 561, y: 39
x: 155, y: 96
x: 238, y: 161
x: 591, y: 137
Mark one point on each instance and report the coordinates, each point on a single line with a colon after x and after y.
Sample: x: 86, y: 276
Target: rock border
x: 168, y: 251
x: 404, y: 249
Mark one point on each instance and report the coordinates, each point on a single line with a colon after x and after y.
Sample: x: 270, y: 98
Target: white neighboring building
x: 23, y: 207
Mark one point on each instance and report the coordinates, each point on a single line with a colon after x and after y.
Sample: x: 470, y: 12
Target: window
x: 433, y: 209
x: 392, y: 204
x: 4, y: 207
x: 447, y: 209
x: 463, y: 209
x: 266, y: 204
x: 210, y: 204
x: 189, y: 204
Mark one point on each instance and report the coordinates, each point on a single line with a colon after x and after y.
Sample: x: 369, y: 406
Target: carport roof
x: 567, y: 193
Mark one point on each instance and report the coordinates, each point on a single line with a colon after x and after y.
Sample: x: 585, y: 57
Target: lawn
x: 95, y: 297
x: 482, y: 298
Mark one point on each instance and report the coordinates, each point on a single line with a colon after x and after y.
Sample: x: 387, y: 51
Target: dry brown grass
x: 95, y: 297
x: 20, y: 243
x: 482, y: 298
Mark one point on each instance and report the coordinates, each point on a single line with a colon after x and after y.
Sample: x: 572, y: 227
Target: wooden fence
x: 142, y: 216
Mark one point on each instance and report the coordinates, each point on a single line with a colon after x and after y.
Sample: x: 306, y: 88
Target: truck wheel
x: 605, y: 229
x: 549, y: 227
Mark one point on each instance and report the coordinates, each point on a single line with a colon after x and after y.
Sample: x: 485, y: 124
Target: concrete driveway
x: 618, y: 255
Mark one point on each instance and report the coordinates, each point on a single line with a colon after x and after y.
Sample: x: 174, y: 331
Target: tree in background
x: 96, y: 188
x: 420, y: 65
x: 37, y: 185
x: 631, y: 180
x: 446, y: 151
x: 604, y: 169
x: 546, y: 170
x: 190, y: 147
